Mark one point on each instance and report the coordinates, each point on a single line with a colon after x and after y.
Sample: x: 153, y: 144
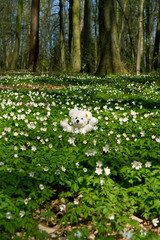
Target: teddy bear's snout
x: 77, y: 121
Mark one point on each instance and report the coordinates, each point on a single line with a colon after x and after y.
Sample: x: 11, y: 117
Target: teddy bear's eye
x: 81, y: 118
x: 75, y: 117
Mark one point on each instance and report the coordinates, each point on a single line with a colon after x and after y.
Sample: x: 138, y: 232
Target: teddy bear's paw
x: 64, y: 123
x: 93, y: 121
x: 76, y: 130
x: 83, y: 131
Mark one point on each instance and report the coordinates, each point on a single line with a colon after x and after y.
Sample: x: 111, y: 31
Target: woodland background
x: 102, y: 37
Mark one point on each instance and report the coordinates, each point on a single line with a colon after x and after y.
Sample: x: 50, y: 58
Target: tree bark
x: 157, y: 42
x: 147, y: 36
x: 75, y: 43
x: 140, y: 37
x: 110, y: 61
x: 34, y: 35
x: 62, y: 37
x: 82, y: 18
x: 18, y: 35
x: 70, y: 27
x: 87, y: 37
x: 96, y: 38
x: 122, y: 21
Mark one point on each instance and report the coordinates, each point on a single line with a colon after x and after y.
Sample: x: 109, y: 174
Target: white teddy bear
x: 82, y: 122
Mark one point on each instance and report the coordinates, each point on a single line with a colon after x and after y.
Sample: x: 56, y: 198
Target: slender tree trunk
x: 75, y: 44
x: 147, y: 35
x: 18, y: 35
x: 110, y: 61
x: 123, y: 22
x: 157, y: 42
x: 82, y: 18
x: 70, y: 27
x: 6, y: 52
x: 82, y: 31
x: 140, y: 37
x: 34, y: 35
x: 50, y: 29
x: 62, y: 37
x: 26, y: 20
x: 87, y: 37
x: 96, y: 38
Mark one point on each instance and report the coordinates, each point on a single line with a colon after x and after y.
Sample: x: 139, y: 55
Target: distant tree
x: 23, y: 60
x: 7, y: 30
x: 140, y: 37
x: 62, y: 37
x: 18, y: 35
x: 122, y: 20
x: 148, y: 34
x: 34, y: 35
x: 110, y: 61
x: 70, y: 28
x: 96, y: 35
x: 157, y: 42
x: 82, y: 18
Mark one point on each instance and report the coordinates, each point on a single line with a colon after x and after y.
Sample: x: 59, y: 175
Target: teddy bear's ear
x: 88, y: 115
x: 71, y: 112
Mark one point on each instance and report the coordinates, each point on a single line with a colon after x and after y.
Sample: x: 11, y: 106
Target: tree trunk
x: 147, y: 35
x: 122, y: 22
x: 157, y: 42
x: 82, y: 30
x: 62, y: 37
x: 34, y: 35
x: 50, y: 28
x: 18, y: 35
x: 140, y: 37
x: 96, y: 38
x: 87, y: 37
x: 70, y: 27
x: 75, y: 44
x: 110, y: 61
x: 82, y: 18
x: 130, y: 34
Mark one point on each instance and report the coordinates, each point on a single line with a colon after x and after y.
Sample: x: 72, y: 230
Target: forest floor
x: 54, y: 230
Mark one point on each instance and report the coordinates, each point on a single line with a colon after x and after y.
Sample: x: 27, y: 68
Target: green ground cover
x: 100, y: 179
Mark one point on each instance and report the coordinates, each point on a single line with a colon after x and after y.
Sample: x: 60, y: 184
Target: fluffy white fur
x: 81, y: 122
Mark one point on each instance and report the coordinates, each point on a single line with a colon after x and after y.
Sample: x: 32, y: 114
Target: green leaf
x: 75, y: 187
x: 80, y: 179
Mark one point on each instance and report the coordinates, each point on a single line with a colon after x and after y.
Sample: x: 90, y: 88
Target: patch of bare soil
x: 34, y: 87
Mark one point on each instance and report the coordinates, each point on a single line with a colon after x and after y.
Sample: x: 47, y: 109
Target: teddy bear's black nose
x: 77, y: 121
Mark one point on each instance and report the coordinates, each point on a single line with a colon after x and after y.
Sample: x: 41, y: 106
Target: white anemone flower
x: 62, y: 207
x: 99, y: 171
x: 107, y: 171
x: 136, y: 165
x: 71, y: 141
x: 106, y: 148
x: 8, y: 215
x: 99, y: 164
x: 22, y: 213
x: 41, y: 186
x: 127, y: 234
x: 111, y: 216
x: 33, y: 148
x: 63, y: 168
x: 155, y: 222
x: 148, y: 164
x: 78, y: 235
x: 76, y: 201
